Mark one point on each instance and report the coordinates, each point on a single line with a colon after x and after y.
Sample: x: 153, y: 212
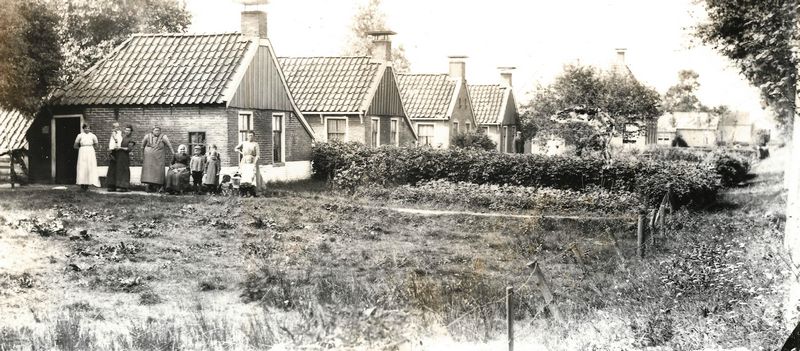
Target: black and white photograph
x: 399, y: 175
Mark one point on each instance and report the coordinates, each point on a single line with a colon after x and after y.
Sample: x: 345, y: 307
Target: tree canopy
x: 30, y: 55
x: 682, y: 97
x: 588, y: 91
x: 758, y: 37
x: 90, y: 29
x: 369, y: 17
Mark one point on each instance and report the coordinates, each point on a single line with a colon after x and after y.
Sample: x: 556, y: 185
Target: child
x: 197, y: 165
x: 212, y: 169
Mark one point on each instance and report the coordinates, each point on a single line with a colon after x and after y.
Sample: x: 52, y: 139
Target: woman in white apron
x: 248, y: 165
x: 86, y: 142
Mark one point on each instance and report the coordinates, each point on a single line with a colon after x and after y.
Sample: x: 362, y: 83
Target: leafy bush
x: 504, y: 197
x: 476, y: 140
x: 732, y: 167
x: 353, y: 165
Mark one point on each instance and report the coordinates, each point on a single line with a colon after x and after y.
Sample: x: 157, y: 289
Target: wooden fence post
x: 640, y: 236
x: 510, y: 317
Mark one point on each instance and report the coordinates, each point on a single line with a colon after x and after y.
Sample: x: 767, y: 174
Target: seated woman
x: 179, y: 174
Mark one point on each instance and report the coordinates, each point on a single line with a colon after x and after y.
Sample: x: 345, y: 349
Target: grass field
x: 307, y: 268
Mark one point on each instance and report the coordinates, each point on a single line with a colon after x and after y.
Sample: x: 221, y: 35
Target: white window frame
x: 469, y: 127
x: 433, y: 126
x: 242, y: 132
x: 396, y: 123
x: 456, y: 127
x: 346, y: 127
x: 375, y: 135
x: 283, y: 136
x: 53, y: 139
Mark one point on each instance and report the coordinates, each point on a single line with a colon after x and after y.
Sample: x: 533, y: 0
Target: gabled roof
x: 671, y: 121
x: 13, y: 126
x: 488, y: 102
x: 427, y: 95
x: 161, y: 69
x: 330, y: 84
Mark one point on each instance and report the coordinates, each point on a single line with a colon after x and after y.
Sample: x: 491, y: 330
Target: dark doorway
x: 66, y: 130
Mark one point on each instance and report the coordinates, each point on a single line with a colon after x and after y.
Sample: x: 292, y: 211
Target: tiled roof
x: 13, y: 126
x: 426, y: 95
x: 487, y: 101
x: 329, y: 84
x: 160, y: 69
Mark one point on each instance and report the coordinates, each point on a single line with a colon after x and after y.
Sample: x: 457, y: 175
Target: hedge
x: 507, y: 197
x: 353, y: 165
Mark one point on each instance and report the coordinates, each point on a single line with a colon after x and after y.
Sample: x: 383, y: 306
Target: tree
x: 758, y: 37
x: 583, y: 102
x: 90, y: 29
x: 682, y: 97
x: 369, y: 17
x: 30, y: 56
x: 473, y: 140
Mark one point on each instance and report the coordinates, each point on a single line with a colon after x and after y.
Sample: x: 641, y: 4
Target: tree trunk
x: 792, y: 182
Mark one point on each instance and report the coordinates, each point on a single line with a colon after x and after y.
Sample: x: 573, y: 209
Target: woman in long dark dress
x: 153, y: 146
x: 122, y: 170
x: 179, y: 174
x: 114, y: 143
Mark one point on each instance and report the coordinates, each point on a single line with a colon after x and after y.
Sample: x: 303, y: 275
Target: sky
x: 536, y: 36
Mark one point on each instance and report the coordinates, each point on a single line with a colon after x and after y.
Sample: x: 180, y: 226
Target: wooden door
x: 66, y: 156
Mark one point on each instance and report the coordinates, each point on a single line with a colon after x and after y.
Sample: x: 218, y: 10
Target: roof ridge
x: 192, y: 34
x: 422, y: 74
x: 324, y: 57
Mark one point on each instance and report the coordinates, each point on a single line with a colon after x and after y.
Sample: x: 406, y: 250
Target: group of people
x: 197, y: 172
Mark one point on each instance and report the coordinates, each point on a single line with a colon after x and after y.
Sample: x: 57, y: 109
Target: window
x: 425, y: 132
x: 394, y: 136
x: 337, y: 129
x: 245, y: 125
x: 197, y: 139
x: 485, y: 130
x: 469, y: 127
x: 455, y: 128
x: 277, y: 138
x: 376, y: 132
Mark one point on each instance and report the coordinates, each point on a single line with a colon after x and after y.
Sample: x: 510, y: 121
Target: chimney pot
x: 505, y: 76
x: 458, y: 69
x: 254, y: 24
x: 381, y: 45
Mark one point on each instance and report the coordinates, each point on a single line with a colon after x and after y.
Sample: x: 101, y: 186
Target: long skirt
x: 87, y: 167
x: 178, y: 178
x: 153, y: 166
x: 121, y: 176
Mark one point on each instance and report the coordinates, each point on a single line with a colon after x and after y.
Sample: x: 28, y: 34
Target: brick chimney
x: 621, y: 57
x: 458, y: 69
x: 381, y: 45
x: 505, y: 76
x: 254, y: 23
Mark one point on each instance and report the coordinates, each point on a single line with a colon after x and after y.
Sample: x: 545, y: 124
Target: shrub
x: 353, y: 165
x: 504, y: 197
x: 732, y: 167
x: 475, y: 140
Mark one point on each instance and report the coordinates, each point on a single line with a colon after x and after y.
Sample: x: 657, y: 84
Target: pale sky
x: 536, y: 36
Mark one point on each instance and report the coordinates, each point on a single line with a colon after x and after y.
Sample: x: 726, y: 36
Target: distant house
x: 736, y: 127
x: 439, y: 104
x: 13, y: 126
x: 351, y: 98
x: 496, y: 110
x: 201, y: 89
x: 697, y: 128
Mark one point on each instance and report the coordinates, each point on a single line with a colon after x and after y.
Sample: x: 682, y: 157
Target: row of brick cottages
x: 204, y: 89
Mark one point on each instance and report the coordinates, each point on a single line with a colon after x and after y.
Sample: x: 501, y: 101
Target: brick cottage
x: 201, y: 89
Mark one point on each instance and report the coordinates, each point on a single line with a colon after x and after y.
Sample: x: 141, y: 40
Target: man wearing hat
x: 197, y: 165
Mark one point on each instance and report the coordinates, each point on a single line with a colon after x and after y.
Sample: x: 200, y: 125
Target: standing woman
x: 248, y: 165
x: 114, y: 143
x: 153, y: 146
x: 122, y: 171
x: 86, y: 142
